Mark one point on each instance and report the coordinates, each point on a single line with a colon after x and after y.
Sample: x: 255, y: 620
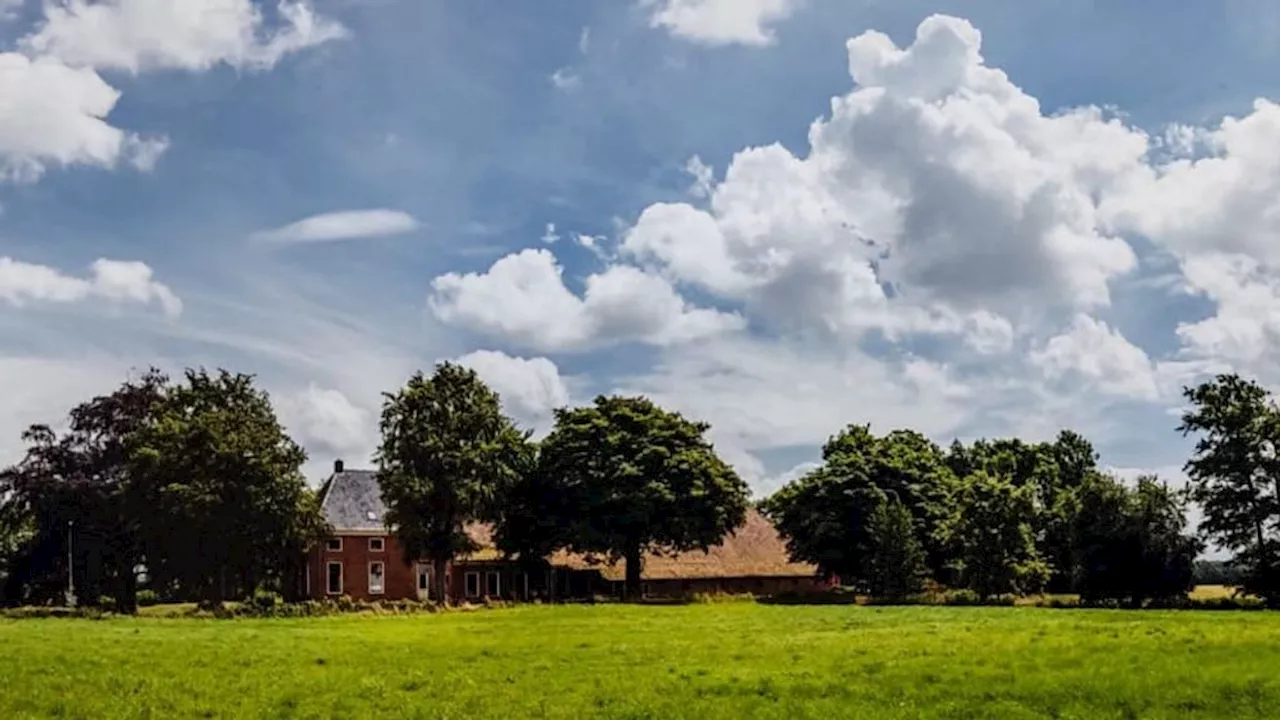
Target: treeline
x: 890, y: 515
x: 195, y: 487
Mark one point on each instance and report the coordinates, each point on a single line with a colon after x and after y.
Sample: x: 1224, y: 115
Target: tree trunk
x: 631, y: 589
x: 439, y: 588
x: 127, y: 600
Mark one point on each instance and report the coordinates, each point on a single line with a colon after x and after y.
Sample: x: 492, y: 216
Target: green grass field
x: 611, y: 661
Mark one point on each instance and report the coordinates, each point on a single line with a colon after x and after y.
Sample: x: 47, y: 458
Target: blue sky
x: 939, y: 251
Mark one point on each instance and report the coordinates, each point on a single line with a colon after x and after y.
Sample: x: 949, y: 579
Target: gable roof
x: 352, y: 502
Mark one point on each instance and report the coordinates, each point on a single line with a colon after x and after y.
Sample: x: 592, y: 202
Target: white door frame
x: 422, y: 571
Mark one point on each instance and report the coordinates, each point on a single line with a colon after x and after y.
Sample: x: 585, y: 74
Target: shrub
x: 265, y: 599
x: 147, y: 598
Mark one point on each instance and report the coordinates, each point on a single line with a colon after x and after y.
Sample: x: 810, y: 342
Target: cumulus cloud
x: 720, y: 22
x: 1093, y: 351
x: 895, y: 211
x: 343, y: 225
x: 324, y: 420
x: 530, y: 388
x: 136, y: 35
x: 115, y: 281
x: 522, y: 298
x: 56, y: 115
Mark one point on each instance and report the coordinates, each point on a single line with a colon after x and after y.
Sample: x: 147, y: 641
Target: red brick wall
x: 399, y: 580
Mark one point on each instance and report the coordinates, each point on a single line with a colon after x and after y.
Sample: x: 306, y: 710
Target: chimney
x: 337, y: 466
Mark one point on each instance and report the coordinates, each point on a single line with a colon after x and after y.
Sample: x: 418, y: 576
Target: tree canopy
x: 448, y: 454
x: 638, y: 479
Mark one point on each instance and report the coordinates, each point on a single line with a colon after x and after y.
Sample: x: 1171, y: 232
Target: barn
x: 362, y: 560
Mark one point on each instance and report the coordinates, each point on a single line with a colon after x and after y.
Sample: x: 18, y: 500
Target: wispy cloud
x: 345, y: 225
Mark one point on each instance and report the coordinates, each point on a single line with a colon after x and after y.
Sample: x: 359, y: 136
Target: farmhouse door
x: 424, y: 581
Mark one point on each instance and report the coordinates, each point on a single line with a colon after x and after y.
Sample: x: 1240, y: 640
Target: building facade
x: 364, y: 561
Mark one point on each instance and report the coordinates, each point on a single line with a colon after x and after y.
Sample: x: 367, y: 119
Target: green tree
x: 991, y: 538
x: 227, y: 507
x: 825, y: 516
x: 898, y: 566
x: 640, y: 479
x: 80, y: 484
x: 447, y: 457
x: 1235, y: 474
x: 1130, y: 543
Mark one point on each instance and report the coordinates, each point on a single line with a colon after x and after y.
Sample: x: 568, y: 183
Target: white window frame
x: 382, y: 544
x: 381, y: 590
x: 328, y: 545
x: 328, y: 589
x: 467, y: 583
x: 496, y: 577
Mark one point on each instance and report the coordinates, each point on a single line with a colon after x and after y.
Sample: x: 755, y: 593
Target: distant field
x: 613, y: 661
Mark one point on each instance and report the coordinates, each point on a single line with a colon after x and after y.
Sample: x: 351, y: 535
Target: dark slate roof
x: 352, y: 500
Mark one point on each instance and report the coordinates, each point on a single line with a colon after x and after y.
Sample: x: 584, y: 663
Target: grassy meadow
x: 728, y: 660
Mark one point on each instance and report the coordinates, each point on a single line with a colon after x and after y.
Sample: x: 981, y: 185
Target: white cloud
x: 111, y: 280
x: 56, y: 115
x: 39, y: 389
x: 566, y: 79
x: 897, y: 192
x: 9, y: 9
x: 720, y: 22
x: 522, y: 298
x: 530, y: 388
x: 325, y: 420
x: 343, y: 225
x: 136, y: 35
x: 1092, y: 350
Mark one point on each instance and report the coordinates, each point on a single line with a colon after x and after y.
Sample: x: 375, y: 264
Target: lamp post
x: 71, y: 578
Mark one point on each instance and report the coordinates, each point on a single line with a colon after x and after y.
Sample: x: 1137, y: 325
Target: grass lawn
x: 699, y: 661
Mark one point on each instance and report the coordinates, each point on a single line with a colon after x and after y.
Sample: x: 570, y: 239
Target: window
x: 424, y: 582
x: 334, y: 545
x: 376, y: 545
x: 473, y: 584
x: 376, y: 573
x: 334, y: 586
x: 493, y: 586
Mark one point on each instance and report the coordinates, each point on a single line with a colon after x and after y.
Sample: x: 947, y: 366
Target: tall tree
x: 447, y: 456
x: 1130, y: 543
x: 641, y: 479
x: 229, y: 510
x: 1235, y: 474
x: 991, y: 537
x: 825, y: 516
x: 898, y: 567
x: 81, y: 484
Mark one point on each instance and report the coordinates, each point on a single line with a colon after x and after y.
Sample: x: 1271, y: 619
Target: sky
x: 971, y: 218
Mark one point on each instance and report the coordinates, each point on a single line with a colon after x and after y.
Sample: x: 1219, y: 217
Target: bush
x: 147, y: 598
x: 969, y: 598
x: 266, y: 600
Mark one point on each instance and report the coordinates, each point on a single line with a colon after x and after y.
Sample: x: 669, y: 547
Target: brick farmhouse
x: 363, y: 561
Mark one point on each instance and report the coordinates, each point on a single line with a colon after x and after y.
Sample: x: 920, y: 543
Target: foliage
x: 825, y: 516
x: 147, y: 597
x: 639, y: 479
x: 991, y: 539
x: 228, y: 505
x: 1235, y: 474
x: 898, y: 566
x: 447, y: 456
x: 1130, y: 543
x: 79, y: 487
x: 1217, y: 572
